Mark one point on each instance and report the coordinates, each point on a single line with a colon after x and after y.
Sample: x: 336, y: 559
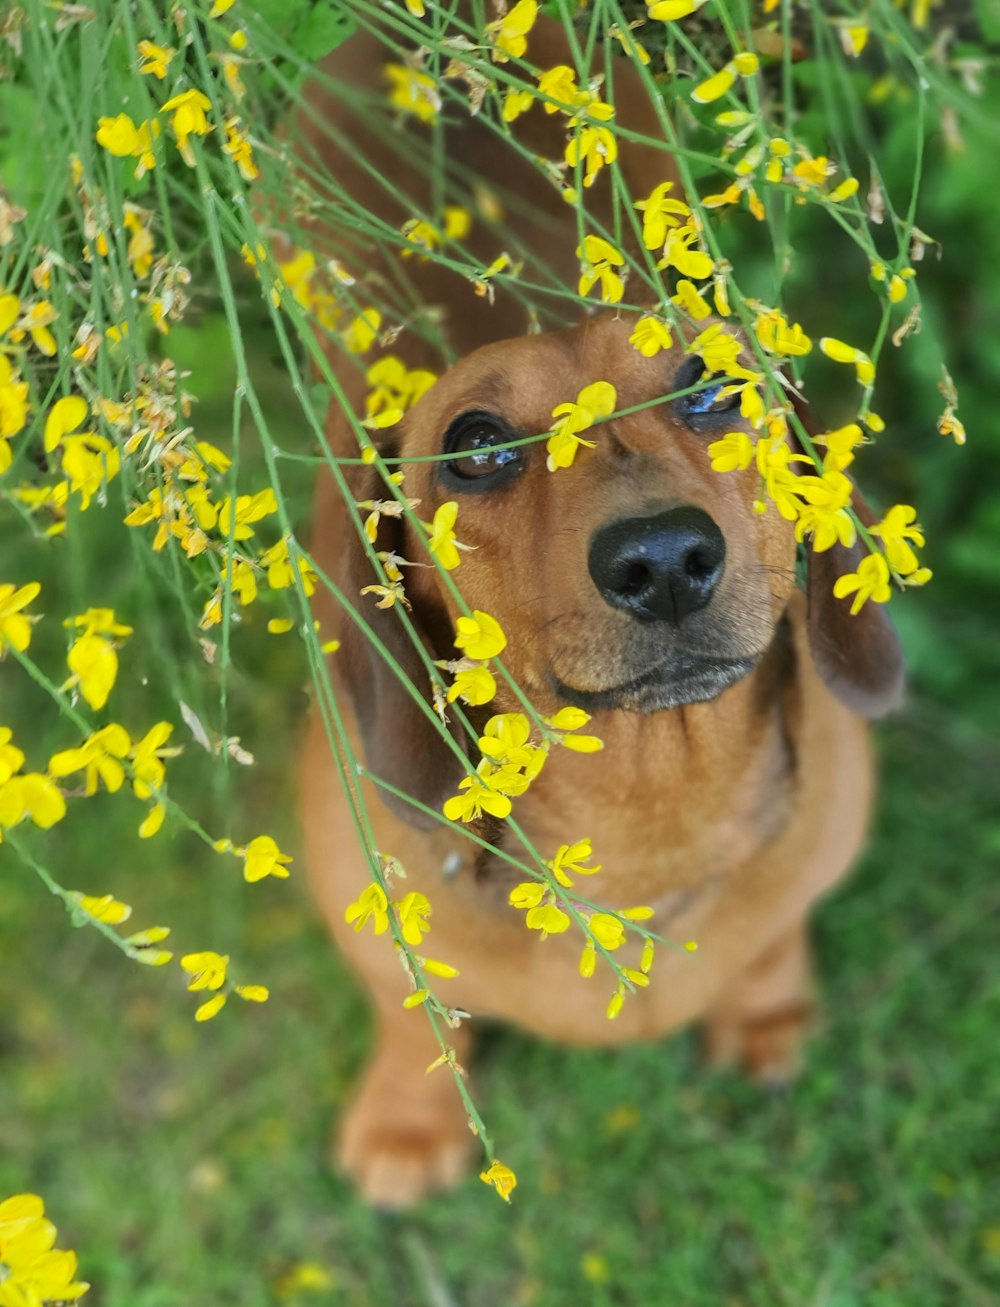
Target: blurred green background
x: 188, y: 1164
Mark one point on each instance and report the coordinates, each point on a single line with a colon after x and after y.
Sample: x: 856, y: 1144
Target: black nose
x: 660, y: 568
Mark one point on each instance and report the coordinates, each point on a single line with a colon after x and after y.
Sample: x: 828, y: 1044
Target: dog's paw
x: 768, y: 1047
x: 401, y: 1141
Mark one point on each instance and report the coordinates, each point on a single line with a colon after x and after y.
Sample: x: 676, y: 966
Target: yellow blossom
x: 870, y: 581
x: 599, y: 258
x: 442, y: 543
x: 156, y: 59
x: 262, y: 857
x: 843, y: 353
x: 594, y: 147
x: 235, y: 522
x: 33, y: 795
x: 205, y: 970
x: 559, y: 84
x: 99, y: 757
x: 362, y: 331
x: 509, y: 33
x: 777, y: 337
x: 501, y: 1177
x: 479, y: 636
x: 690, y: 299
x: 253, y: 993
x: 569, y: 858
x: 104, y: 907
x: 659, y: 213
x: 239, y: 149
x: 412, y: 91
x: 669, y: 11
x: 15, y: 625
x: 594, y: 401
x: 125, y: 139
x: 11, y: 757
x: 677, y: 253
x: 65, y: 415
x: 370, y: 905
x: 188, y: 109
x: 896, y: 530
x: 473, y: 685
x: 413, y: 912
x: 148, y: 771
x: 211, y: 1007
x: 650, y: 336
x: 732, y: 452
x: 744, y: 65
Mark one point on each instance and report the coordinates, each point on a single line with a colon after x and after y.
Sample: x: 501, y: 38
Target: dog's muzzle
x: 660, y: 568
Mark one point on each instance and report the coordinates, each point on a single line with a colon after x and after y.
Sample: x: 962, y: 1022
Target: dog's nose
x: 660, y: 568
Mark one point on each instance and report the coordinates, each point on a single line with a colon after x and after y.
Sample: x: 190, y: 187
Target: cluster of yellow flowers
x: 33, y: 1271
x: 188, y: 110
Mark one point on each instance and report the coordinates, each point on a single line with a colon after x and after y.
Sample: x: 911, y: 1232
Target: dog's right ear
x: 858, y: 655
x: 402, y: 745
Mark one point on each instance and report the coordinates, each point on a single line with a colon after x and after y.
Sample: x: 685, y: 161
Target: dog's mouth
x: 670, y: 684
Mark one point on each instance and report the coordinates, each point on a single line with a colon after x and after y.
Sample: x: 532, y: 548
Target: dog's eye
x: 707, y: 402
x: 475, y: 436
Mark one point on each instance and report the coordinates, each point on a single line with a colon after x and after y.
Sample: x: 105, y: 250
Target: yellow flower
x: 896, y: 530
x: 89, y: 462
x: 98, y: 756
x: 220, y: 7
x: 594, y: 401
x: 473, y: 685
x: 668, y: 11
x: 370, y: 905
x: 844, y: 191
x: 211, y: 1007
x: 677, y: 253
x: 593, y: 146
x: 659, y: 214
x: 249, y: 508
x: 15, y: 625
x: 31, y: 795
x: 104, y: 908
x: 281, y: 570
x: 744, y: 65
x: 548, y: 919
x: 413, y: 912
x: 598, y: 259
x: 559, y: 84
x: 188, y: 109
x: 777, y: 337
x: 240, y: 150
x: 842, y: 353
x: 205, y: 970
x: 732, y: 453
x: 362, y: 331
x: 501, y: 1177
x: 13, y: 409
x: 124, y: 139
x: 720, y: 351
x: 253, y: 993
x: 483, y: 794
x: 413, y: 92
x: 479, y: 636
x: 690, y: 299
x: 870, y: 581
x: 11, y: 757
x: 442, y: 543
x: 569, y: 859
x: 262, y: 857
x: 809, y: 173
x: 948, y: 424
x: 65, y: 416
x: 156, y: 59
x: 94, y: 665
x: 509, y: 34
x: 148, y: 771
x: 650, y: 336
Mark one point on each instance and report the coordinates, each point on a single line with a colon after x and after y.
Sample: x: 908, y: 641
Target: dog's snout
x: 660, y: 568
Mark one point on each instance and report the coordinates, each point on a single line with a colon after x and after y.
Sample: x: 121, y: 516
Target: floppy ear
x: 858, y: 656
x: 401, y: 744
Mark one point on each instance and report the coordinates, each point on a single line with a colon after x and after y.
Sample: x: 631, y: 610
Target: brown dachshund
x: 735, y: 781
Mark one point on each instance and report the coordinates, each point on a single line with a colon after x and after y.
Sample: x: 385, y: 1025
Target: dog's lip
x: 686, y: 680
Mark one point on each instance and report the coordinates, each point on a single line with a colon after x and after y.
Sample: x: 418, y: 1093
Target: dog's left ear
x: 858, y: 655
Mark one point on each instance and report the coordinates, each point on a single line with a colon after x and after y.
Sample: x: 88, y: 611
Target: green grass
x: 188, y: 1164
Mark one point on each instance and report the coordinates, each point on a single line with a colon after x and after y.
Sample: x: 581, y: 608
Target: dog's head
x: 636, y: 580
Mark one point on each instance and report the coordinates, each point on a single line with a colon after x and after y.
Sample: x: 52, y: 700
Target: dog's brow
x: 489, y: 391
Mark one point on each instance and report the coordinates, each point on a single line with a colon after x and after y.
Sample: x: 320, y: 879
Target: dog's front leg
x: 406, y: 1132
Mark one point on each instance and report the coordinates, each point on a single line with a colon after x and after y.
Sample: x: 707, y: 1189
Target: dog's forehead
x: 524, y: 378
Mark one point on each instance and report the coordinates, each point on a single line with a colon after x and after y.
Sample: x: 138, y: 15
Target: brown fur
x: 729, y: 817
